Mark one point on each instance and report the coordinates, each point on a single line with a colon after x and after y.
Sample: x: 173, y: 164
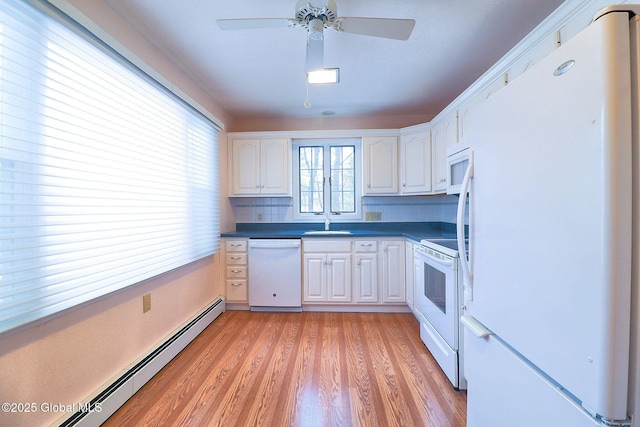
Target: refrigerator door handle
x: 475, y: 327
x: 462, y: 201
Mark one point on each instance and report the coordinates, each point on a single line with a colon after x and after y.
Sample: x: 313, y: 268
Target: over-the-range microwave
x: 457, y: 162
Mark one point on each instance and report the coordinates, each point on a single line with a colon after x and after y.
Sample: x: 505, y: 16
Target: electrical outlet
x: 259, y: 217
x: 373, y: 216
x: 146, y: 302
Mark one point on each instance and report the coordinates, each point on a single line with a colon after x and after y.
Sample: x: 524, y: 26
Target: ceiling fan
x: 317, y: 17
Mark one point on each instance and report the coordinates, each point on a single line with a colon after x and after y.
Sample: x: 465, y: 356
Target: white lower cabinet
x: 370, y: 272
x: 408, y: 271
x: 393, y: 268
x: 365, y: 266
x: 327, y: 271
x: 236, y: 270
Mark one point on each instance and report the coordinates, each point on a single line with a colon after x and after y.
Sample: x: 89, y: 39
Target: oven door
x: 437, y: 294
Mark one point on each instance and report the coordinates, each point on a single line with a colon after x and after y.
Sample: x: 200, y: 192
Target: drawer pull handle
x: 236, y: 284
x: 366, y: 245
x: 236, y: 257
x: 236, y: 271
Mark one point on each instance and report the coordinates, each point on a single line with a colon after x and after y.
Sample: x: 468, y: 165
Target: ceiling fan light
x: 324, y: 76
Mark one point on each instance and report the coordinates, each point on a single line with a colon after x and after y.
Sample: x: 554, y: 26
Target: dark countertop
x: 412, y: 230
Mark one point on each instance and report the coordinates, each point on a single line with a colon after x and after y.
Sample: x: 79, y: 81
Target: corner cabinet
x: 260, y: 167
x: 380, y: 158
x: 443, y: 134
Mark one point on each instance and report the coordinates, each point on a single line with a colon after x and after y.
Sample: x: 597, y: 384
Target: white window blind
x: 106, y: 178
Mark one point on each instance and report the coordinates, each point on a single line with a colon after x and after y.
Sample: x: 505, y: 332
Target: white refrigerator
x: 549, y: 280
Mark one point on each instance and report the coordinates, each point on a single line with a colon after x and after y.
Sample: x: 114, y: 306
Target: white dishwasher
x: 275, y: 275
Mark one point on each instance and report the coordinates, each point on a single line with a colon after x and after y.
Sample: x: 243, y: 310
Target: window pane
x: 343, y: 185
x: 311, y: 179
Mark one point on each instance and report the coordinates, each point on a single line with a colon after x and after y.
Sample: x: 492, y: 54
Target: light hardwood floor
x: 300, y: 369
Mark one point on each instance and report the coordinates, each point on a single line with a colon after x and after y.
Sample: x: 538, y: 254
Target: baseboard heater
x: 107, y: 402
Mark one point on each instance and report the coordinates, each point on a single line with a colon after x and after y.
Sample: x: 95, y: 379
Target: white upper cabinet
x: 260, y: 167
x: 380, y: 158
x: 443, y: 134
x: 275, y: 167
x: 415, y: 163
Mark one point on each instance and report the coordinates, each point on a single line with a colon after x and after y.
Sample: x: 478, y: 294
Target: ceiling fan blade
x: 248, y: 24
x: 315, y: 55
x: 388, y: 28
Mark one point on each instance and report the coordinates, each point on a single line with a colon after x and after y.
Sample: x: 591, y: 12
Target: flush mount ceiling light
x: 322, y: 76
x: 325, y: 75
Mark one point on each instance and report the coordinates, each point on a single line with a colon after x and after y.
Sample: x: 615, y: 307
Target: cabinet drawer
x: 337, y: 245
x: 366, y: 246
x: 236, y: 259
x: 236, y: 245
x: 237, y: 272
x: 237, y: 290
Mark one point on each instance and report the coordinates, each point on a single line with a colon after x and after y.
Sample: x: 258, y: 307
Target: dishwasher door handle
x: 274, y: 244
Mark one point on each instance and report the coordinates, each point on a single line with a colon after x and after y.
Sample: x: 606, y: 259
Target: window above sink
x: 326, y: 178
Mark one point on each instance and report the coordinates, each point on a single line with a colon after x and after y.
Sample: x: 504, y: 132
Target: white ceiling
x: 260, y: 72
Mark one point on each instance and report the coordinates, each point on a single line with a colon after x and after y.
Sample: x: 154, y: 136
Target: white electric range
x: 439, y: 298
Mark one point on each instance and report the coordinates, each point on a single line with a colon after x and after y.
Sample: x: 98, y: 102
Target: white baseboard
x: 107, y: 401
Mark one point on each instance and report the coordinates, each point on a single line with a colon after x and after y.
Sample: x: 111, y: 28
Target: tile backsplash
x: 392, y: 209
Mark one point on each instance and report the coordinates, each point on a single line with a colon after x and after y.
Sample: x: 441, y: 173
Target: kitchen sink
x: 327, y: 232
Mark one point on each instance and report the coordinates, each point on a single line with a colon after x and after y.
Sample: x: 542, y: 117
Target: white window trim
x: 310, y: 217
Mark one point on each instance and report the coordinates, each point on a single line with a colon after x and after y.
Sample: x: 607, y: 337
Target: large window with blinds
x: 106, y: 178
